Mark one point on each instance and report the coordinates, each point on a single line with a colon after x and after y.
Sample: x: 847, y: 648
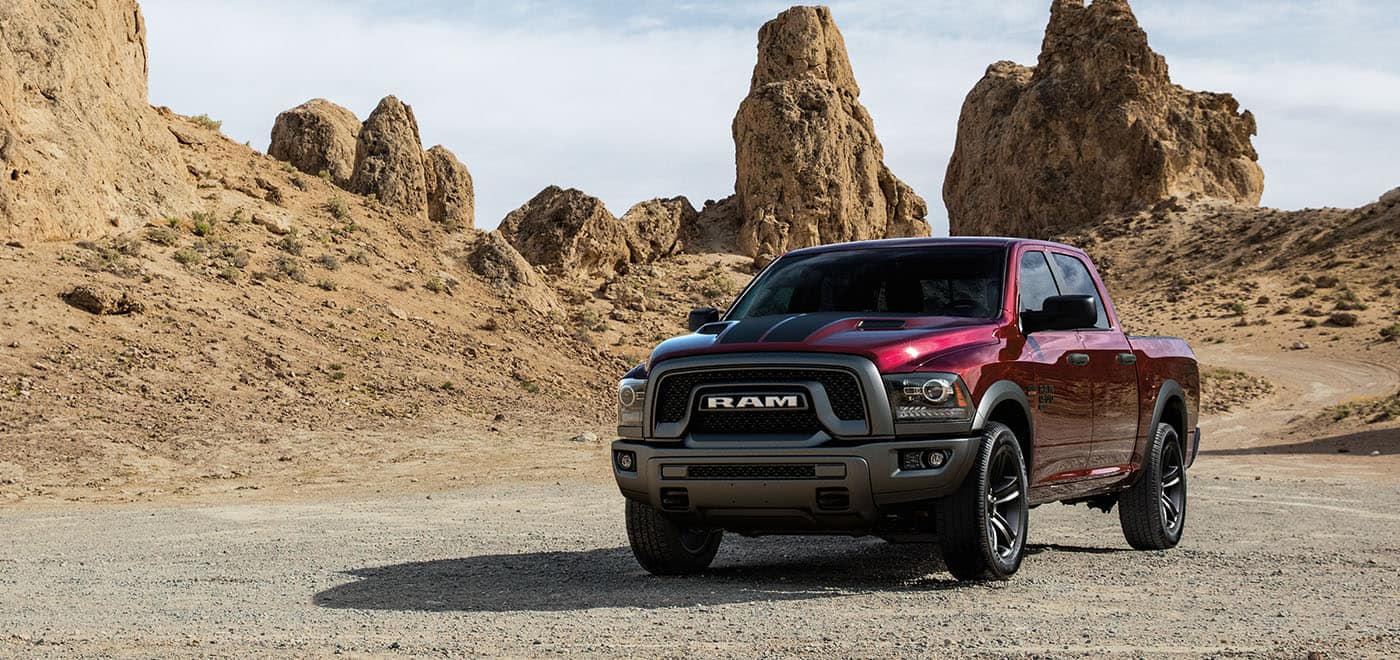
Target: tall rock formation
x: 389, y: 159
x: 317, y: 136
x: 568, y: 232
x: 1096, y: 127
x: 809, y: 167
x: 451, y: 196
x: 82, y: 152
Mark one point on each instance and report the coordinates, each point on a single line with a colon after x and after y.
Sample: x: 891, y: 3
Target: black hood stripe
x: 793, y: 328
x: 802, y: 327
x: 750, y: 330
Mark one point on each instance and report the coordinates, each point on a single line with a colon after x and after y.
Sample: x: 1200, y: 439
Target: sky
x: 633, y: 100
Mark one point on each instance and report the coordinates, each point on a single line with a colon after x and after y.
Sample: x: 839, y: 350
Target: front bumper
x: 757, y: 490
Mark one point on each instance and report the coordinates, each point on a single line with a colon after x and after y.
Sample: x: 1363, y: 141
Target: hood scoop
x: 713, y: 328
x: 881, y: 324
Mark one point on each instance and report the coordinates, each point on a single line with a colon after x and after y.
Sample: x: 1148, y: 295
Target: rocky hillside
x: 1095, y: 128
x: 1222, y: 272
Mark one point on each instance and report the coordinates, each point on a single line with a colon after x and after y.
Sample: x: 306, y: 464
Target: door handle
x: 1078, y: 359
x: 1127, y: 358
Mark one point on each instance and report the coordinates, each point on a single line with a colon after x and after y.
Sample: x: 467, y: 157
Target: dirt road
x: 1277, y: 565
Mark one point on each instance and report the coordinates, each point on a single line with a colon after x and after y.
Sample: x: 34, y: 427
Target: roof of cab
x: 947, y: 241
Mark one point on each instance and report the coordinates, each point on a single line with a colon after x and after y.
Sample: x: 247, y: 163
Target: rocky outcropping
x: 1097, y: 127
x: 568, y: 233
x: 507, y: 272
x: 809, y: 167
x: 317, y: 136
x: 451, y: 198
x: 82, y: 153
x: 654, y: 226
x: 389, y: 159
x: 102, y: 300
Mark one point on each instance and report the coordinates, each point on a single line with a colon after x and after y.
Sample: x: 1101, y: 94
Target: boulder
x: 568, y: 233
x: 389, y: 159
x: 809, y: 167
x: 317, y: 136
x: 102, y: 301
x: 1095, y: 128
x: 653, y: 227
x: 451, y: 197
x: 1391, y: 198
x: 82, y: 152
x: 273, y: 221
x: 498, y: 263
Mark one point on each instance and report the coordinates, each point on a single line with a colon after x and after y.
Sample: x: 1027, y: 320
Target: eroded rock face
x: 389, y: 159
x: 317, y: 136
x: 1096, y: 127
x: 82, y: 153
x: 451, y: 197
x: 714, y: 228
x: 654, y: 226
x: 568, y: 233
x: 809, y: 167
x: 498, y: 263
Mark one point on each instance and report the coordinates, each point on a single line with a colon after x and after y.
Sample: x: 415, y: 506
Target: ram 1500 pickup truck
x: 915, y: 389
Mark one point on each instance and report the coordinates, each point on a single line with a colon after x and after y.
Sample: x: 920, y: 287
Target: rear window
x: 924, y: 281
x: 1078, y: 281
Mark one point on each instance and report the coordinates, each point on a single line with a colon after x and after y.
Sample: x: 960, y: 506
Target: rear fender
x: 1170, y: 389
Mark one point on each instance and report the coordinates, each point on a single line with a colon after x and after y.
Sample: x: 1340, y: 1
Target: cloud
x: 633, y: 101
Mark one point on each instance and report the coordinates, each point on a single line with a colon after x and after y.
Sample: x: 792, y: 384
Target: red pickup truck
x: 915, y: 389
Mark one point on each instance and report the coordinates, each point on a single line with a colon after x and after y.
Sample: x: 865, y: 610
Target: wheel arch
x: 1006, y: 403
x: 1170, y: 408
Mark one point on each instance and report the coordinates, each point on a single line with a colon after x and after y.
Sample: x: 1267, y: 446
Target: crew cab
x: 930, y: 389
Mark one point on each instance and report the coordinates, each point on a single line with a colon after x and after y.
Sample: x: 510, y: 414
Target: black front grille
x: 842, y: 388
x: 756, y: 471
x: 754, y: 421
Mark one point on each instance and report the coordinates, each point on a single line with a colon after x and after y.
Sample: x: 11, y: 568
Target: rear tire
x: 664, y: 547
x: 1153, y: 510
x: 982, y: 527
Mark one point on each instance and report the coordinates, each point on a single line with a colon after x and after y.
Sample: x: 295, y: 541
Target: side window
x: 1077, y: 281
x: 1035, y: 283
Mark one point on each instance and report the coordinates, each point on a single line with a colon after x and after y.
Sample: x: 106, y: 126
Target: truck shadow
x: 746, y: 570
x: 1385, y: 441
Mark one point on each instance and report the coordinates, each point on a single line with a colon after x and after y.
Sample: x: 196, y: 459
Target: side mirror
x: 701, y: 316
x: 1062, y: 313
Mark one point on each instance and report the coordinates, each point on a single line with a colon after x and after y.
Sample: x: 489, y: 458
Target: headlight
x: 631, y: 393
x: 930, y: 397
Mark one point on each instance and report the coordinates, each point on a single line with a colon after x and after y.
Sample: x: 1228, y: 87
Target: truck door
x: 1059, y: 391
x: 1113, y: 372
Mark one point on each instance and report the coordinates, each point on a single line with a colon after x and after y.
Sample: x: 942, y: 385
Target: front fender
x: 1001, y: 392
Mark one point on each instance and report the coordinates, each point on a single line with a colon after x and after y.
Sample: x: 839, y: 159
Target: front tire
x: 982, y: 527
x: 664, y: 547
x: 1153, y: 510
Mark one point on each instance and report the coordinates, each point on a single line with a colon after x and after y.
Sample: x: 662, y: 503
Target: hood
x: 892, y: 342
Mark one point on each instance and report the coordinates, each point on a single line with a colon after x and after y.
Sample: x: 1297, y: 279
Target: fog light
x: 911, y: 460
x: 626, y: 461
x: 935, y: 458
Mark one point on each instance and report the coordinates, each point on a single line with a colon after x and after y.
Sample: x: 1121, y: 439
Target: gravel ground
x: 1271, y: 567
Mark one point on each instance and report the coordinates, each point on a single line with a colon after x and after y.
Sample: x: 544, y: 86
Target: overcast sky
x: 629, y: 101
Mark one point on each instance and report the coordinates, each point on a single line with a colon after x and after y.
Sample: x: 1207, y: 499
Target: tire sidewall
x: 1001, y: 439
x: 1167, y: 437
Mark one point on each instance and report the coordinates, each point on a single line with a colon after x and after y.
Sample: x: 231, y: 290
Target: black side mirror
x: 1062, y: 313
x: 701, y: 316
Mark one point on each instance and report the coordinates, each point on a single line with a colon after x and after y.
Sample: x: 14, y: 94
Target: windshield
x: 922, y: 281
